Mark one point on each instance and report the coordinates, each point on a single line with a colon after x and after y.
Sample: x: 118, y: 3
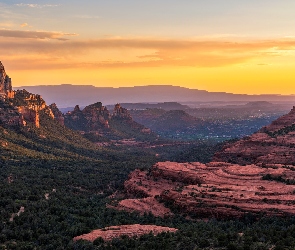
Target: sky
x: 234, y: 46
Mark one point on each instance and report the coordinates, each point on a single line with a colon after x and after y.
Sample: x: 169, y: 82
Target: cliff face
x: 21, y: 108
x: 29, y: 106
x: 5, y: 83
x: 58, y: 116
x: 274, y: 143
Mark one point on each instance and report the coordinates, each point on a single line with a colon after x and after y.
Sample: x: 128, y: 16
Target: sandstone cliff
x: 58, y: 116
x: 5, y: 83
x: 21, y: 108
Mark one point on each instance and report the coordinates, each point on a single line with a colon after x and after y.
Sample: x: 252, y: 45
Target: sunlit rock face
x: 20, y: 108
x: 5, y: 82
x: 58, y: 115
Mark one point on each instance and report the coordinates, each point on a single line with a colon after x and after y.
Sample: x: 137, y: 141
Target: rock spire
x: 5, y: 81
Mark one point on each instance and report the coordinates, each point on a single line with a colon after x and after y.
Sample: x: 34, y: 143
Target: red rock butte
x: 110, y: 233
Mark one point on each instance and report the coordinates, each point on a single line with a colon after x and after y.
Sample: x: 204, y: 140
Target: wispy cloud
x: 34, y: 34
x: 31, y: 5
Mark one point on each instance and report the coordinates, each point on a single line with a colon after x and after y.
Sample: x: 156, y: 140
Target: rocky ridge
x: 272, y: 144
x: 97, y: 122
x: 22, y: 108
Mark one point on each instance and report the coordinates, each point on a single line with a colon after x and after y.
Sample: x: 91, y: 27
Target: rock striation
x: 113, y: 232
x: 272, y: 144
x: 216, y: 189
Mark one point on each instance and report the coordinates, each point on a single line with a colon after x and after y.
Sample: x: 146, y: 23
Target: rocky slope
x: 271, y: 144
x: 113, y: 232
x: 216, y: 189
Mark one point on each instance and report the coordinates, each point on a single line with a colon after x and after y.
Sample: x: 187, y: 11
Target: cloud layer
x: 51, y: 50
x: 34, y: 34
x: 36, y: 5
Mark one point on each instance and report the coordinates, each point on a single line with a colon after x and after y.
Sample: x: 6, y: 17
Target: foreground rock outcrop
x: 273, y: 144
x: 113, y: 232
x: 216, y: 189
x: 21, y: 108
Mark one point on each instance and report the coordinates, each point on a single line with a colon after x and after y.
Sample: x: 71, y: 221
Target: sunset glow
x: 235, y: 47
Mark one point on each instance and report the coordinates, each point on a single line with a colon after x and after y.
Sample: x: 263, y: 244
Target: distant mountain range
x: 67, y: 95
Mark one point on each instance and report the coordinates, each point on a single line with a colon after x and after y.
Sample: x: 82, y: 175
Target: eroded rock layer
x: 216, y: 189
x: 110, y: 233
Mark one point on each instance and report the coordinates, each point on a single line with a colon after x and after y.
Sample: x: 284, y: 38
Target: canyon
x: 253, y: 175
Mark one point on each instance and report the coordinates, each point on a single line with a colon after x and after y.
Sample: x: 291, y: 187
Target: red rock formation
x: 92, y: 118
x: 120, y: 112
x: 5, y: 82
x: 144, y: 206
x: 18, y: 108
x: 58, y: 116
x: 215, y: 189
x: 110, y: 233
x: 29, y: 115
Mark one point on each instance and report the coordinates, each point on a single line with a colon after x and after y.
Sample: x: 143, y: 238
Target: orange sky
x: 239, y: 62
